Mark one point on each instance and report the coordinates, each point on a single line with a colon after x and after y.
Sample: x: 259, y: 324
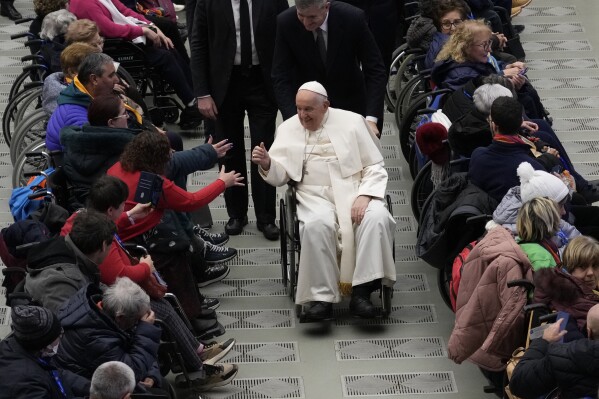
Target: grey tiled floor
x: 405, y: 356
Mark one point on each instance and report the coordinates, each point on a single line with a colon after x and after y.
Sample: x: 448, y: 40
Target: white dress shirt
x: 237, y: 60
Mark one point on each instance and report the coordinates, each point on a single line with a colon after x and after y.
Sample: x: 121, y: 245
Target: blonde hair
x: 462, y: 38
x: 73, y: 55
x: 581, y: 252
x: 538, y: 219
x: 82, y: 30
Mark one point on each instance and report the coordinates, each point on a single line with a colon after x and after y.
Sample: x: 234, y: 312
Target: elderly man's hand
x: 260, y: 156
x: 530, y: 126
x: 374, y: 128
x: 553, y: 333
x: 207, y: 107
x: 358, y: 209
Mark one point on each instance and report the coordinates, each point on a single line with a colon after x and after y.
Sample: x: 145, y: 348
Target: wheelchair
x: 291, y: 248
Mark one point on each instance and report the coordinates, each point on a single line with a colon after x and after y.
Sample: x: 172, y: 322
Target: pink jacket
x: 490, y: 322
x: 93, y: 10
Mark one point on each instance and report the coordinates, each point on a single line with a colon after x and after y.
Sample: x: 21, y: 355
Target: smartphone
x: 523, y: 71
x: 159, y: 279
x: 149, y: 189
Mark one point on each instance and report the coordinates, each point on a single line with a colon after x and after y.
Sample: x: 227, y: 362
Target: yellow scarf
x: 82, y: 89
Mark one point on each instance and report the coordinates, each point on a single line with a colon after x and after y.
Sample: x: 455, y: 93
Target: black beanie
x: 34, y: 327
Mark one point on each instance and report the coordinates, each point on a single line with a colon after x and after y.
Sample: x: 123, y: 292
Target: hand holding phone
x: 523, y: 71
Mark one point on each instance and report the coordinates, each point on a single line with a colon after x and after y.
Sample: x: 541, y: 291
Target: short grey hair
x: 303, y: 4
x: 112, y: 380
x: 125, y: 298
x: 93, y: 64
x: 486, y: 94
x: 56, y: 23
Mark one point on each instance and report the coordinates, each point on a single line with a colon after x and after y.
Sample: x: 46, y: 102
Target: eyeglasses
x: 125, y: 115
x: 449, y: 24
x: 485, y: 46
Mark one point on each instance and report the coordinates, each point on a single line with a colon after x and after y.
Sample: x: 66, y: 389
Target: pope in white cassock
x: 346, y: 232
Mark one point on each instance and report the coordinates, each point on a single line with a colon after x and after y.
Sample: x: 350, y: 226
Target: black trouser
x: 586, y: 219
x: 170, y: 30
x: 175, y: 70
x: 247, y: 93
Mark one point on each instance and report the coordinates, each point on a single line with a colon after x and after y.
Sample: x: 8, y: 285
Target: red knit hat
x: 431, y: 138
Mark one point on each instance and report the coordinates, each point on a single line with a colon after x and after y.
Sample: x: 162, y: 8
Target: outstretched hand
x: 230, y: 178
x: 221, y: 147
x: 260, y: 156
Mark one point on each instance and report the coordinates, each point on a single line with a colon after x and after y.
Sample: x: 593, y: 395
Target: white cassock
x: 342, y: 161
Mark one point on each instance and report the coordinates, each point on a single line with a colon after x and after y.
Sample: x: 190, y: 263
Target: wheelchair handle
x: 476, y: 219
x: 20, y: 35
x: 534, y: 306
x: 24, y: 20
x: 32, y: 85
x: 39, y: 154
x: 31, y: 67
x: 24, y: 248
x: 32, y: 42
x: 548, y: 318
x: 41, y: 194
x: 528, y: 285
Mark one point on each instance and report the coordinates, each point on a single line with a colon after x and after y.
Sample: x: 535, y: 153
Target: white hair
x: 56, y: 23
x: 112, y: 380
x: 125, y: 298
x: 486, y: 94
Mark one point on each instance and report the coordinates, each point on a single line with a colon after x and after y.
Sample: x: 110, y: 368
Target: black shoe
x: 210, y: 303
x: 234, y: 226
x: 361, y: 307
x: 190, y: 118
x: 270, y: 231
x: 217, y: 239
x: 215, y: 331
x: 201, y: 326
x: 214, y: 255
x: 207, y: 313
x: 7, y: 9
x: 319, y: 311
x: 590, y: 192
x: 519, y: 28
x: 212, y: 274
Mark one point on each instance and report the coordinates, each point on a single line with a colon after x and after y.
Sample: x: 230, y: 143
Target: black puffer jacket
x: 573, y: 367
x: 92, y: 338
x: 26, y: 377
x: 88, y: 153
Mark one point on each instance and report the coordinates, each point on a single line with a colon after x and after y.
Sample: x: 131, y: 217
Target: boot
x: 360, y: 305
x: 7, y: 9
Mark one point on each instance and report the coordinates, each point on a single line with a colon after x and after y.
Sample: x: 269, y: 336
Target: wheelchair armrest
x: 174, y: 301
x: 535, y: 306
x: 549, y: 318
x: 135, y: 248
x: 32, y: 85
x: 39, y: 154
x: 32, y: 67
x: 478, y: 219
x: 40, y: 194
x: 16, y: 270
x: 34, y: 42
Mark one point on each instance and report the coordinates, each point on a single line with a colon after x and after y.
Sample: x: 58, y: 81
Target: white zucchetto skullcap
x: 314, y: 87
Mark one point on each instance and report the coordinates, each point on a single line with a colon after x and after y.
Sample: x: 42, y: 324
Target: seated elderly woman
x: 117, y: 21
x: 85, y: 31
x: 538, y: 221
x: 54, y: 27
x: 118, y: 325
x: 70, y: 59
x: 571, y: 288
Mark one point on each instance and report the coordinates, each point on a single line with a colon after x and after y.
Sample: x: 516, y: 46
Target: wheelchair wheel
x: 29, y: 164
x: 35, y: 73
x: 409, y: 124
x: 413, y: 162
x: 33, y: 129
x: 421, y: 189
x: 443, y: 280
x: 283, y: 242
x: 391, y: 91
x: 9, y: 118
x: 414, y: 88
x: 407, y: 70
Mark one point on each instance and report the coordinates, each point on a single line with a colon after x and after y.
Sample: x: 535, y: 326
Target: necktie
x: 322, y: 47
x: 246, y: 35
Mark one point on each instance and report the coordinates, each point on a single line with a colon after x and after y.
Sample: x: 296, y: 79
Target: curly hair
x: 461, y: 39
x: 45, y: 7
x: 446, y: 6
x: 148, y: 152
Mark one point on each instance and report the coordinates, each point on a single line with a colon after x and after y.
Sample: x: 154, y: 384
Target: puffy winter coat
x: 71, y: 111
x: 561, y: 291
x: 53, y: 85
x: 451, y: 74
x: 24, y: 376
x: 92, y: 338
x: 489, y: 320
x: 439, y: 40
x: 573, y: 367
x: 88, y: 153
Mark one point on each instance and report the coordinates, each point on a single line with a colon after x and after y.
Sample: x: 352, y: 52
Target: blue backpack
x: 20, y: 204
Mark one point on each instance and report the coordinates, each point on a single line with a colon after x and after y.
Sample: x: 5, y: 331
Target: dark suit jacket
x: 213, y: 44
x: 350, y: 43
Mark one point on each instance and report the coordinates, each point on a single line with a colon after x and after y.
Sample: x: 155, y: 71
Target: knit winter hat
x: 537, y: 183
x: 431, y: 138
x: 34, y: 327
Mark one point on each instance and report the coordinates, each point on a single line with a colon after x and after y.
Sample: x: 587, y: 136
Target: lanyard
x: 56, y: 376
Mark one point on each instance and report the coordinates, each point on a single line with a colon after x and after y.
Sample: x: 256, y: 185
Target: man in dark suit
x: 329, y: 43
x: 232, y: 45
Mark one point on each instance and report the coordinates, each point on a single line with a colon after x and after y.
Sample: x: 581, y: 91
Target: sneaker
x: 217, y: 239
x: 215, y: 351
x: 212, y: 274
x: 210, y: 303
x: 214, y: 254
x: 216, y: 376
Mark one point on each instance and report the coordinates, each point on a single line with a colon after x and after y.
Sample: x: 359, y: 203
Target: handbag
x: 168, y: 236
